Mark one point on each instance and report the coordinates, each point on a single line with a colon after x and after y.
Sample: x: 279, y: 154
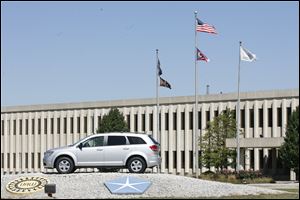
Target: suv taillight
x: 154, y: 148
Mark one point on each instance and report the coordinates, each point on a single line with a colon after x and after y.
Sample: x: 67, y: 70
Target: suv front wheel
x: 64, y: 165
x: 136, y: 165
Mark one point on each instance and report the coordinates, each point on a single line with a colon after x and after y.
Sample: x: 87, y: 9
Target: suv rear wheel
x: 136, y: 165
x: 64, y: 165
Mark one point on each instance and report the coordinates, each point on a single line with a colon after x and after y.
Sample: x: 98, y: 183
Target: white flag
x: 246, y: 55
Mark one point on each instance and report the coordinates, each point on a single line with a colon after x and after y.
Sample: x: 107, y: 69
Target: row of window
x: 77, y: 128
x: 14, y: 160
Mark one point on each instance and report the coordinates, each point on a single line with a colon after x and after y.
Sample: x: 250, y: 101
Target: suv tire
x: 136, y: 165
x: 64, y: 165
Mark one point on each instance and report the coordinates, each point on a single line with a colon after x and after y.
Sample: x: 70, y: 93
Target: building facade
x: 28, y: 131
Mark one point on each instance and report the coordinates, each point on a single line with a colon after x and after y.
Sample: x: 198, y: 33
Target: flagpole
x: 157, y: 102
x: 238, y: 117
x: 195, y: 136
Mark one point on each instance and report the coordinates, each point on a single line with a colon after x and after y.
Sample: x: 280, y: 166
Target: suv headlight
x: 48, y: 153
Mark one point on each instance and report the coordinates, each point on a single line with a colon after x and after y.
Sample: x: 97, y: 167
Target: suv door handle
x: 99, y: 149
x: 126, y: 148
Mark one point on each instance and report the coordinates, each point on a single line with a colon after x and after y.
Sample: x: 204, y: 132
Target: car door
x: 116, y: 150
x: 91, y: 153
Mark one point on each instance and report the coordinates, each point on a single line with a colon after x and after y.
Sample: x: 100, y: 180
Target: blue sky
x: 58, y: 52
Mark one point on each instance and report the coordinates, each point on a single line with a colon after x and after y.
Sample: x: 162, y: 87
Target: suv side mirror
x: 80, y: 146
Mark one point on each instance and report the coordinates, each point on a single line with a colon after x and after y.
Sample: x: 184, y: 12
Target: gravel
x: 91, y: 186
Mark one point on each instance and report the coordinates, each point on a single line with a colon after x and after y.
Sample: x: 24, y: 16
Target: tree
x: 289, y: 150
x: 214, y: 151
x: 112, y: 122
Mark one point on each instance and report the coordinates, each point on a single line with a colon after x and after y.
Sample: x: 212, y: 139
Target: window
x: 159, y: 121
x: 78, y: 124
x: 52, y: 125
x: 174, y: 159
x: 251, y: 159
x: 207, y: 117
x: 251, y: 118
x: 242, y: 118
x: 136, y: 140
x: 135, y: 122
x: 143, y: 122
x: 260, y: 117
x: 182, y: 121
x: 128, y: 121
x: 270, y: 121
x: 39, y: 126
x: 116, y: 140
x: 182, y: 159
x: 15, y: 127
x: 191, y: 159
x: 175, y: 121
x: 166, y: 121
x: 32, y: 126
x: 27, y: 127
x: 151, y: 122
x: 26, y: 160
x: 21, y: 127
x: 191, y: 120
x: 45, y: 126
x: 167, y: 159
x: 32, y: 160
x: 39, y: 160
x: 93, y: 126
x: 2, y: 159
x: 85, y: 124
x: 8, y: 160
x: 58, y: 125
x: 216, y: 113
x: 99, y: 121
x: 94, y: 142
x: 199, y: 120
x: 279, y: 117
x: 65, y: 125
x: 72, y: 124
x: 14, y: 160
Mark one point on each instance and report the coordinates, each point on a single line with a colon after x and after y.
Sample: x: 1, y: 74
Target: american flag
x: 164, y: 83
x: 203, y: 27
x: 201, y: 56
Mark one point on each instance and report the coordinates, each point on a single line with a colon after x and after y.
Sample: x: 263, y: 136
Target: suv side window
x: 135, y: 140
x: 94, y: 142
x: 116, y: 140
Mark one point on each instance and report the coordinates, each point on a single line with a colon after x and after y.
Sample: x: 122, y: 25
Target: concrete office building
x: 28, y: 131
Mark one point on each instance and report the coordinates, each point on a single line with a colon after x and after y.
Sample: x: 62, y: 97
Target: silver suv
x: 106, y: 150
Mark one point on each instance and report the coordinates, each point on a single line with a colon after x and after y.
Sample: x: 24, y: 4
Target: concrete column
x: 23, y: 149
x: 203, y: 125
x: 55, y: 136
x: 89, y: 122
x: 171, y: 145
x: 178, y: 137
x: 294, y: 104
x: 211, y: 118
x: 256, y: 134
x: 154, y: 133
x: 62, y: 133
x: 132, y: 122
x: 284, y: 117
x: 186, y: 138
x: 11, y: 142
x: 139, y: 119
x: 29, y: 143
x: 265, y: 119
x: 247, y: 119
x: 147, y: 119
x: 82, y: 134
x: 18, y: 142
x: 49, y: 138
x: 274, y: 120
x: 96, y: 120
x: 5, y: 143
x: 36, y: 142
x: 247, y: 159
x: 42, y: 147
x: 69, y: 127
x: 76, y: 132
x: 162, y: 139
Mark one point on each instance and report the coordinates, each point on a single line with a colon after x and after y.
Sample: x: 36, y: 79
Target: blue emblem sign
x: 127, y: 185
